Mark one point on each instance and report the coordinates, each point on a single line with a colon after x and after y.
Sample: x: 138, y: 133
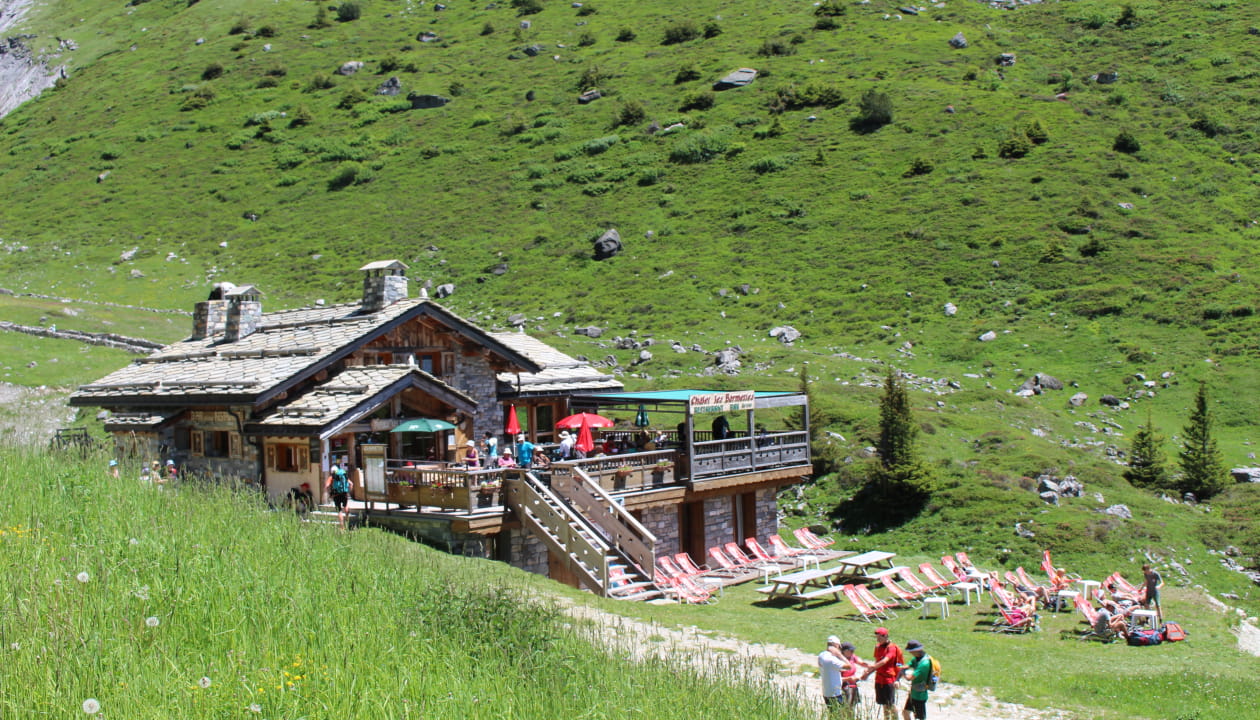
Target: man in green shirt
x: 919, y: 670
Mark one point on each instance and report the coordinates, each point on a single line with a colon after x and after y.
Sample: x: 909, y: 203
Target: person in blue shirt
x: 524, y: 451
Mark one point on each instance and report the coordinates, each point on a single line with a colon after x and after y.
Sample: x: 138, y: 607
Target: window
x: 430, y: 362
x: 288, y: 457
x: 215, y: 443
x: 183, y: 439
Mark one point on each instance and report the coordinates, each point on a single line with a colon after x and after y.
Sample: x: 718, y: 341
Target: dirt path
x: 792, y: 670
x: 30, y: 415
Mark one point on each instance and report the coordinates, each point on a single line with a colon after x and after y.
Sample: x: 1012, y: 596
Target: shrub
x: 348, y: 174
x: 212, y: 71
x: 591, y: 77
x: 599, y: 145
x: 321, y: 81
x: 321, y: 17
x: 686, y: 74
x: 1015, y: 145
x: 1036, y: 132
x: 278, y: 71
x: 240, y: 27
x: 775, y: 129
x: 263, y: 118
x: 1210, y: 127
x: 826, y: 23
x: 586, y: 39
x: 197, y: 100
x: 712, y: 30
x: 875, y: 110
x: 630, y: 113
x: 680, y: 32
x: 111, y: 153
x: 775, y: 48
x: 699, y: 148
x: 527, y: 7
x: 487, y: 29
x: 267, y: 31
x: 456, y: 88
x: 302, y: 116
x: 830, y: 8
x: 513, y: 124
x: 772, y: 163
x: 920, y: 166
x: 587, y: 9
x: 1126, y: 142
x: 813, y: 94
x: 698, y: 101
x: 389, y: 64
x: 348, y: 11
x: 353, y: 97
x: 625, y: 34
x: 651, y: 176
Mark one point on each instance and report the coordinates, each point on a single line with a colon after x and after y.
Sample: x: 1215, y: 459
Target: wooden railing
x: 749, y: 453
x: 627, y: 472
x: 441, y: 485
x: 556, y: 523
x: 614, y: 522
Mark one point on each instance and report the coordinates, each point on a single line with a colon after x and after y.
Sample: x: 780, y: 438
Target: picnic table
x: 803, y: 585
x: 867, y: 565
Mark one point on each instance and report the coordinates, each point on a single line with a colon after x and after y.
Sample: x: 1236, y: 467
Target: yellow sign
x: 722, y: 402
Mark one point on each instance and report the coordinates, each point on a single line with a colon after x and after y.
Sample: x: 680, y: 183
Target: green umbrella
x: 423, y: 425
x: 641, y: 418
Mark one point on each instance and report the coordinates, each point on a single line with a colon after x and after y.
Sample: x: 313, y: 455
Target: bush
x: 263, y: 118
x: 630, y: 113
x: 585, y: 10
x: 686, y: 74
x: 351, y: 173
x: 487, y: 29
x: 826, y: 23
x: 586, y: 39
x: 875, y: 110
x: 266, y: 82
x: 773, y: 163
x: 830, y: 9
x: 111, y: 153
x: 1036, y: 132
x: 321, y: 17
x: 1126, y: 142
x: 319, y: 81
x: 920, y: 166
x: 651, y: 177
x: 625, y: 34
x: 712, y: 30
x: 276, y: 71
x: 698, y: 101
x: 599, y: 145
x: 776, y: 48
x: 197, y: 100
x: 1016, y: 145
x: 240, y: 27
x: 267, y: 31
x: 1210, y: 127
x: 389, y: 64
x: 680, y: 32
x: 348, y: 11
x: 591, y: 78
x: 527, y: 7
x: 699, y: 148
x: 814, y: 94
x: 212, y: 71
x: 302, y: 116
x: 353, y: 97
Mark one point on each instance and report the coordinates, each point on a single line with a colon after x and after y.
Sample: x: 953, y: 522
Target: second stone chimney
x: 384, y: 283
x: 210, y: 315
x: 244, y: 313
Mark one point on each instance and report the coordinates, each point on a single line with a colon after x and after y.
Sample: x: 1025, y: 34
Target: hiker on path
x: 919, y: 670
x: 849, y: 678
x: 339, y: 486
x: 1154, y: 581
x: 887, y: 668
x: 833, y: 667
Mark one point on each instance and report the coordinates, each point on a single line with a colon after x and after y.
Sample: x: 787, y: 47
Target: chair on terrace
x: 810, y: 540
x: 669, y: 569
x: 952, y: 566
x: 920, y: 588
x: 1057, y: 580
x: 1014, y: 620
x: 686, y: 590
x: 864, y: 610
x: 875, y: 602
x: 903, y: 595
x: 734, y: 552
x: 936, y: 579
x: 728, y: 565
x: 689, y: 566
x: 760, y: 553
x: 782, y: 549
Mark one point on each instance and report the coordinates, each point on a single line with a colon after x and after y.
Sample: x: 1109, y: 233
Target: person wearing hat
x: 919, y: 670
x: 566, y: 445
x: 470, y: 455
x: 113, y: 468
x: 832, y: 667
x: 524, y: 451
x: 887, y: 668
x: 506, y: 459
x: 171, y: 471
x: 849, y: 678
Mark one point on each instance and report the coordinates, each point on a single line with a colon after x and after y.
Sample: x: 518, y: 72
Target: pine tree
x: 1146, y: 459
x: 897, y: 430
x: 1202, y: 467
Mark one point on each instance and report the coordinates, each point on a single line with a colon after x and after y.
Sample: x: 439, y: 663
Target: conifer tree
x: 1202, y: 467
x: 897, y: 430
x: 1146, y: 459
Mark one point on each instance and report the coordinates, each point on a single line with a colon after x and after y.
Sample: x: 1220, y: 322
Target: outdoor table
x: 803, y: 585
x: 968, y: 588
x: 1066, y: 600
x: 1085, y: 588
x: 1138, y: 617
x: 860, y: 565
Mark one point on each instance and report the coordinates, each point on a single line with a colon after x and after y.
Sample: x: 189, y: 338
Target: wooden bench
x: 815, y: 594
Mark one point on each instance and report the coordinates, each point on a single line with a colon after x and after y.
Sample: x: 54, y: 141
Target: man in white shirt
x: 831, y: 664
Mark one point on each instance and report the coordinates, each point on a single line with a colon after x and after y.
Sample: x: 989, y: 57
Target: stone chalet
x: 274, y: 398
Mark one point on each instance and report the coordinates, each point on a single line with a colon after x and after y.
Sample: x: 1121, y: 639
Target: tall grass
x: 195, y: 600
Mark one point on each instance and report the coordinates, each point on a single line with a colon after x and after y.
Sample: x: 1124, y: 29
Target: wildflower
x: 255, y: 708
x: 204, y: 683
x: 15, y: 646
x: 134, y: 541
x: 152, y: 621
x: 83, y: 577
x: 91, y: 706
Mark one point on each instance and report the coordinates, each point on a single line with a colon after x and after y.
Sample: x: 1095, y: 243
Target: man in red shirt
x: 887, y: 667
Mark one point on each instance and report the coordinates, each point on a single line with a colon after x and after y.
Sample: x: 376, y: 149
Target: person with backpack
x: 887, y: 665
x: 339, y: 486
x: 919, y: 671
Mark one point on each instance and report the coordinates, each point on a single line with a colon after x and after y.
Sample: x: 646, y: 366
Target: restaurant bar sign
x: 722, y: 402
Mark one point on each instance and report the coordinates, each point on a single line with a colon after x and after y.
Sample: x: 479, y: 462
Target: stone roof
x: 560, y: 374
x: 139, y: 420
x: 346, y: 396
x: 288, y: 347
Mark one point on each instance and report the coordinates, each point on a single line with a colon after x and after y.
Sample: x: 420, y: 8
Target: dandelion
x: 204, y: 683
x: 255, y: 708
x: 83, y: 577
x: 91, y: 706
x: 152, y: 621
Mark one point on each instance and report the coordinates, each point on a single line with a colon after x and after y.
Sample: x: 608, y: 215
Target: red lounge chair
x: 966, y: 562
x: 920, y: 588
x: 1051, y: 571
x: 866, y: 611
x: 1027, y: 581
x: 687, y: 590
x: 936, y: 578
x: 689, y: 566
x: 666, y: 566
x: 903, y: 595
x: 1001, y: 597
x: 734, y: 552
x: 876, y: 603
x: 952, y: 566
x: 726, y: 564
x: 782, y: 549
x: 1087, y: 610
x: 1014, y: 621
x: 760, y: 553
x: 810, y: 540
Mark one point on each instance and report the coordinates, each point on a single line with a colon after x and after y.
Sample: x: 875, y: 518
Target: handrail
x: 628, y: 535
x: 556, y: 520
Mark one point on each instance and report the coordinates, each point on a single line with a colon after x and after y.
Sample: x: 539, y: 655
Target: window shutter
x: 303, y: 459
x: 271, y: 457
x: 234, y: 445
x: 197, y: 440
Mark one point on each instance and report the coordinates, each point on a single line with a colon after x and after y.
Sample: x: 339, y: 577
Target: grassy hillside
x: 216, y: 139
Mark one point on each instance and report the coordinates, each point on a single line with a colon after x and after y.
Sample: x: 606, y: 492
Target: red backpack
x: 1173, y: 632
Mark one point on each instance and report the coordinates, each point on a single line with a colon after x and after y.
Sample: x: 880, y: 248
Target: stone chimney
x: 210, y: 315
x: 244, y: 313
x: 384, y: 283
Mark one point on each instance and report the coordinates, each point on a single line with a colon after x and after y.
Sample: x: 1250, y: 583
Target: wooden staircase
x: 599, y: 542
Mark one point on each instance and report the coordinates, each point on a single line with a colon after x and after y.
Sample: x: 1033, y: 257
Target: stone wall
x: 209, y: 318
x: 243, y: 319
x: 527, y: 552
x: 474, y: 377
x: 663, y: 523
x: 719, y: 521
x: 767, y: 513
x: 381, y: 291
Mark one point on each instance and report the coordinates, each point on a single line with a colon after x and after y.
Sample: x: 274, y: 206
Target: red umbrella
x: 585, y: 442
x: 513, y: 425
x: 584, y: 418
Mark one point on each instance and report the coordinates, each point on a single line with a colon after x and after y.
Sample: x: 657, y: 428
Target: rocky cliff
x: 22, y: 74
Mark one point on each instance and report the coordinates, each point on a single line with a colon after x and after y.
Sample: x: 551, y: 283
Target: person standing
x: 1154, y: 581
x: 919, y: 670
x: 849, y: 678
x: 339, y: 486
x: 113, y: 469
x: 832, y: 666
x: 491, y: 444
x: 470, y: 455
x: 887, y: 668
x: 172, y: 472
x: 524, y: 451
x: 566, y: 445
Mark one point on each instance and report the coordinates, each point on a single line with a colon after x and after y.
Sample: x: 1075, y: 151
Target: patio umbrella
x: 513, y: 425
x: 423, y: 425
x: 585, y: 442
x: 641, y: 418
x: 584, y: 418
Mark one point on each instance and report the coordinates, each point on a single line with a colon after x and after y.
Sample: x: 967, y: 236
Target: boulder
x: 1071, y: 487
x: 1247, y: 475
x: 1046, y: 483
x: 1049, y: 497
x: 786, y: 334
x: 590, y: 331
x: 392, y: 86
x: 424, y: 102
x: 950, y: 309
x: 350, y: 68
x: 959, y: 41
x: 1006, y: 59
x: 129, y: 255
x: 608, y: 244
x: 727, y: 361
x: 444, y: 290
x: 1110, y: 400
x: 500, y: 269
x: 1078, y: 399
x: 589, y: 96
x: 1120, y: 511
x: 427, y: 36
x: 738, y: 78
x: 516, y: 319
x: 644, y: 356
x: 1024, y: 532
x: 1047, y: 382
x: 988, y: 336
x: 525, y: 24
x: 532, y: 50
